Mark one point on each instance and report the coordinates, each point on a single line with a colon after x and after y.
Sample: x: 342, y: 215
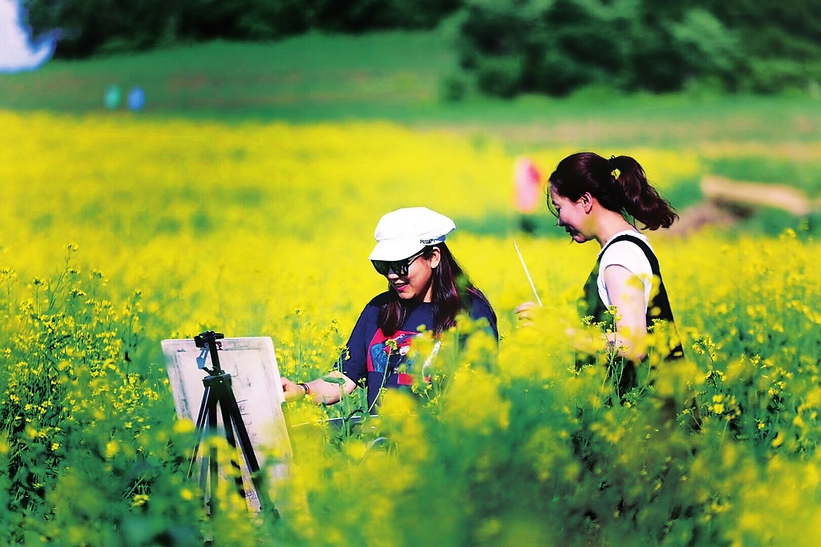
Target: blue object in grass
x: 112, y: 97
x: 136, y: 98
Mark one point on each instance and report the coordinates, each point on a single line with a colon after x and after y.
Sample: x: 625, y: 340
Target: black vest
x: 657, y: 309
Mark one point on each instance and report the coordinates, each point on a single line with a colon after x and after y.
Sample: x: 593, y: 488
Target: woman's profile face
x: 416, y: 284
x: 572, y: 216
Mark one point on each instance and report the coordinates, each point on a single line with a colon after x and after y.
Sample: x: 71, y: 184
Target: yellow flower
x: 184, y: 426
x: 111, y: 449
x: 139, y: 499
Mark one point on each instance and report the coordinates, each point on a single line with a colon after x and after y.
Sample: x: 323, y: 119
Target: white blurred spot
x: 17, y: 51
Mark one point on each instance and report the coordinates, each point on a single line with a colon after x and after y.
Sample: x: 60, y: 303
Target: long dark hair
x: 451, y: 294
x: 627, y: 192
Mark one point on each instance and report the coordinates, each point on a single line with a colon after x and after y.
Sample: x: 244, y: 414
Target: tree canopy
x: 505, y: 47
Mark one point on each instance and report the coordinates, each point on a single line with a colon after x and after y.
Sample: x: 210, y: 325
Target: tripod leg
x: 201, y: 417
x: 218, y: 392
x: 242, y: 433
x: 213, y: 464
x: 233, y: 416
x: 228, y: 422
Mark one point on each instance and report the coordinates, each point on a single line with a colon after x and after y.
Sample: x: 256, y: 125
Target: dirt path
x: 728, y: 201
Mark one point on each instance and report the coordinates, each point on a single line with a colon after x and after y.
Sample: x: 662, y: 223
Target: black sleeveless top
x: 657, y: 309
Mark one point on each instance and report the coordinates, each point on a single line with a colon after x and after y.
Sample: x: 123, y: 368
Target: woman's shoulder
x: 370, y: 313
x: 479, y: 305
x: 480, y: 308
x: 626, y: 239
x: 629, y: 242
x: 628, y: 252
x: 379, y: 300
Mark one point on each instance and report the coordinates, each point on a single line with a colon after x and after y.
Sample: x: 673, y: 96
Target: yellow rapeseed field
x: 172, y: 227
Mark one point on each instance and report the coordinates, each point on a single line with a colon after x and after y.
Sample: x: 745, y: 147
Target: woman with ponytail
x: 427, y: 289
x: 601, y: 199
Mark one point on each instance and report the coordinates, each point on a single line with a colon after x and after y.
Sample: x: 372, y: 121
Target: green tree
x: 92, y: 26
x: 89, y: 26
x: 557, y: 46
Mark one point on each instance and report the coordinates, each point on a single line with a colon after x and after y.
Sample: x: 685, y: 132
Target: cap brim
x: 395, y: 250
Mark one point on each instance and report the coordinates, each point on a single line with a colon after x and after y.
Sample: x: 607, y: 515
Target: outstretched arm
x: 319, y: 390
x: 626, y: 293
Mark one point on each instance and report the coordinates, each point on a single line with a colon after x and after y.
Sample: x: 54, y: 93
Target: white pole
x: 527, y: 273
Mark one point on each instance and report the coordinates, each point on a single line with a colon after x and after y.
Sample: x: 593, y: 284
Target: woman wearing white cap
x: 426, y: 287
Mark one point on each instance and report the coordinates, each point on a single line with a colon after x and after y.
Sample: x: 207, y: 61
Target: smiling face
x: 417, y: 283
x: 573, y: 216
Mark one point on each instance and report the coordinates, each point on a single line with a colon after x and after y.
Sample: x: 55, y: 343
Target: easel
x: 218, y: 393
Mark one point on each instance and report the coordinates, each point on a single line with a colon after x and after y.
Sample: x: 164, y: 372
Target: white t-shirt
x: 629, y: 256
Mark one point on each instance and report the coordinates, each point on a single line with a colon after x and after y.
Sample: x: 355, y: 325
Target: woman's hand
x: 292, y: 390
x: 528, y: 313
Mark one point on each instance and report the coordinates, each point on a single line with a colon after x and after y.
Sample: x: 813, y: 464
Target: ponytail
x: 640, y: 200
x: 619, y: 184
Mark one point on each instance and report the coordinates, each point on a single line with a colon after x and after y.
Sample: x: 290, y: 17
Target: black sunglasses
x: 399, y: 267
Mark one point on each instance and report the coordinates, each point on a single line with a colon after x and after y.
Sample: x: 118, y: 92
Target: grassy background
x: 395, y: 76
x: 398, y: 76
